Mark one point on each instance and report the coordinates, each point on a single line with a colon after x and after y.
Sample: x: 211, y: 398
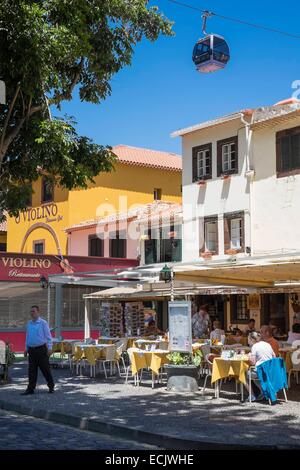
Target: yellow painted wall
x: 133, y: 182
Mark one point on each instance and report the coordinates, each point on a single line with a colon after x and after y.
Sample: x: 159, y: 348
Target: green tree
x: 47, y: 48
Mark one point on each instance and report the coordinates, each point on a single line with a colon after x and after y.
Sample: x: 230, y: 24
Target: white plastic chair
x: 110, y: 358
x: 296, y: 367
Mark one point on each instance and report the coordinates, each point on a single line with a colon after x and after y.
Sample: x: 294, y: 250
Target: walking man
x: 38, y: 348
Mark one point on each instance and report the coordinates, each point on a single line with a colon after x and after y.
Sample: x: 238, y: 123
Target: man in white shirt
x: 261, y: 351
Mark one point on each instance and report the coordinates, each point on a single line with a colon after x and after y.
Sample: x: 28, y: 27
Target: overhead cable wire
x: 236, y: 20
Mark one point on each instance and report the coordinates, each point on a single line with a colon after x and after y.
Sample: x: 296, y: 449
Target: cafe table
x: 64, y: 346
x: 107, y: 340
x: 225, y: 368
x: 153, y: 360
x: 143, y: 342
x: 286, y: 354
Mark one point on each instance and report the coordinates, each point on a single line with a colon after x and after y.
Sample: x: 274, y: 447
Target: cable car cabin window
x: 220, y: 50
x: 288, y: 152
x: 202, y: 51
x: 227, y: 156
x: 202, y: 162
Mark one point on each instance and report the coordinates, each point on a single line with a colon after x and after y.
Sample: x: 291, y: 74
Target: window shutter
x: 226, y: 234
x: 195, y: 178
x: 219, y: 159
x: 243, y: 234
x: 201, y: 236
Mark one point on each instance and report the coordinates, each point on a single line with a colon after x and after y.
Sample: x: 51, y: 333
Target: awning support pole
x: 58, y: 305
x: 87, y: 328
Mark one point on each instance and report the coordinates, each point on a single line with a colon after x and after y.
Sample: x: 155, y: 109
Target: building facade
x: 140, y: 176
x: 241, y: 188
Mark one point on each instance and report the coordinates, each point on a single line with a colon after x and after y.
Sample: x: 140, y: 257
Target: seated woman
x: 152, y: 329
x: 217, y: 332
x: 294, y: 335
x: 261, y: 351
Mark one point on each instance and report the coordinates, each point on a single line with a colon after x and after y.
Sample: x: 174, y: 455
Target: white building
x: 241, y: 197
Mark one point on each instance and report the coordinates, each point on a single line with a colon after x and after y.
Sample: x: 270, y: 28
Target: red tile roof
x: 156, y: 210
x: 149, y: 158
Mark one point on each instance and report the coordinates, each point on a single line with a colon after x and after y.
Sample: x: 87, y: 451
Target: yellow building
x: 3, y: 236
x: 140, y: 176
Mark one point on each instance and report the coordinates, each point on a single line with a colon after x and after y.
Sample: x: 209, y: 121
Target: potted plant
x: 225, y: 176
x: 206, y: 254
x: 231, y: 251
x: 183, y: 371
x: 201, y: 183
x: 9, y: 360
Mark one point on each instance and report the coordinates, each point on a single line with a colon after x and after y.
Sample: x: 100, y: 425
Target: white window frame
x: 229, y: 157
x: 236, y: 233
x: 211, y: 238
x: 202, y: 157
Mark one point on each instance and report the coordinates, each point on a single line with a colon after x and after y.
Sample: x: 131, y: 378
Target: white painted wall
x: 218, y: 196
x: 276, y: 201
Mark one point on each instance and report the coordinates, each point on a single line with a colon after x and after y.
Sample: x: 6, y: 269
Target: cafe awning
x: 282, y: 272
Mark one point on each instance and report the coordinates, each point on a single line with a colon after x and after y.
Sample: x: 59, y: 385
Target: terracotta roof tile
x: 157, y: 210
x: 146, y: 157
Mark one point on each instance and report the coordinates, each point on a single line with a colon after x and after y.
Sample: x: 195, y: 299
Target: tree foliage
x: 47, y: 48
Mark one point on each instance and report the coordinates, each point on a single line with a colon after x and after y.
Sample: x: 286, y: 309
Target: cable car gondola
x: 211, y: 53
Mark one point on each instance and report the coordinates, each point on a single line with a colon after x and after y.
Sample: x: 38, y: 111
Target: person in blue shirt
x: 38, y: 349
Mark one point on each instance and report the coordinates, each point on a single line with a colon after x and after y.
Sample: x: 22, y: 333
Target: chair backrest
x: 295, y: 359
x: 205, y: 348
x: 210, y: 359
x: 233, y: 346
x: 272, y: 377
x: 2, y: 353
x: 122, y: 343
x: 110, y: 352
x: 164, y: 345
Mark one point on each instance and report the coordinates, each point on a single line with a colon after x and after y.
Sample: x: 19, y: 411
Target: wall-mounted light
x: 165, y: 274
x: 43, y: 282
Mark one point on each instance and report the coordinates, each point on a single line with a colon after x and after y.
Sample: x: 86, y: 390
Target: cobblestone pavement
x: 25, y: 433
x: 184, y: 416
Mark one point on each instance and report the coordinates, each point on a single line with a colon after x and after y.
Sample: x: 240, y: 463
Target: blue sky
x: 162, y: 92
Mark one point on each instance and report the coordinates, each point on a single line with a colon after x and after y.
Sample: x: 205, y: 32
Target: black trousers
x: 39, y: 359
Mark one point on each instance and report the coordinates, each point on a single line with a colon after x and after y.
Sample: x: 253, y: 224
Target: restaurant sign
x: 180, y: 326
x: 23, y: 267
x: 48, y: 212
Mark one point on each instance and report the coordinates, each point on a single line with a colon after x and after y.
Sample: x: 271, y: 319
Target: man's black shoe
x: 51, y: 390
x: 28, y: 392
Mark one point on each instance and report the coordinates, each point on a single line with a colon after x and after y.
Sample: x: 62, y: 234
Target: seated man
x: 267, y: 336
x: 261, y: 351
x: 152, y: 329
x: 294, y: 335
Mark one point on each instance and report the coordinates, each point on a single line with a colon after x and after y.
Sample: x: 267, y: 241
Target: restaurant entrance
x: 275, y: 308
x: 216, y: 307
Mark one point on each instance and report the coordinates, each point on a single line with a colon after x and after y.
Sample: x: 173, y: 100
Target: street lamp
x: 167, y: 275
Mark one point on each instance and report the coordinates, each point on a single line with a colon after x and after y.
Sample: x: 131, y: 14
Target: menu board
x: 180, y: 326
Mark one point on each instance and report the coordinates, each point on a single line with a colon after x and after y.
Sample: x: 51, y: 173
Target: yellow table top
x: 223, y: 368
x: 153, y: 360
